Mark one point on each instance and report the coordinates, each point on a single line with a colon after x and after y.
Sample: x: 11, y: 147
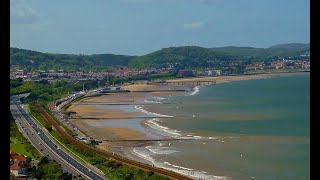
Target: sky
x: 138, y: 27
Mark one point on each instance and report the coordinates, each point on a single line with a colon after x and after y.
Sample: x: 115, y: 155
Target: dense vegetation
x: 32, y: 60
x: 194, y: 57
x: 48, y: 169
x: 179, y: 57
x: 46, y: 91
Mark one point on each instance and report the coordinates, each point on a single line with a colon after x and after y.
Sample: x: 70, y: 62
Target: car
x: 38, y: 132
x: 31, y: 133
x: 41, y: 149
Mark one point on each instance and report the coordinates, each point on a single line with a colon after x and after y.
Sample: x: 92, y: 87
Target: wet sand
x: 92, y: 107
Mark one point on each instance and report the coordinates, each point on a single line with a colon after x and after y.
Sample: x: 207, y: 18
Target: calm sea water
x: 252, y: 129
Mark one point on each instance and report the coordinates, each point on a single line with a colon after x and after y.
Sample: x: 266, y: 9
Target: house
x: 19, y: 166
x: 16, y: 157
x: 218, y: 72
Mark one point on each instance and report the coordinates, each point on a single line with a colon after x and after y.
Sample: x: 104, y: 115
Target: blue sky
x: 137, y: 27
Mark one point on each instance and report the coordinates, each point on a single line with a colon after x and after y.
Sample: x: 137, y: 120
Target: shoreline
x: 129, y: 149
x: 222, y: 79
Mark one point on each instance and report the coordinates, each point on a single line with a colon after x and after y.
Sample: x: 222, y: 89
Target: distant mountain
x: 70, y: 62
x: 291, y: 46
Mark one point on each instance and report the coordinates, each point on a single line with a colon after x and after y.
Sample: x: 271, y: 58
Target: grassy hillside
x: 69, y: 62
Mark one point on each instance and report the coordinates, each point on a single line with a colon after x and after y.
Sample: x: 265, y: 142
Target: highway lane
x: 36, y: 140
x: 82, y: 169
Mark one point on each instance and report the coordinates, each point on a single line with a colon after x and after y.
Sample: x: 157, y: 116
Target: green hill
x: 69, y: 62
x: 193, y: 56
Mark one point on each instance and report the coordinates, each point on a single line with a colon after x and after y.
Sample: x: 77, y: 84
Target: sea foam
x: 161, y: 150
x: 152, y: 102
x: 195, y: 91
x: 151, y: 113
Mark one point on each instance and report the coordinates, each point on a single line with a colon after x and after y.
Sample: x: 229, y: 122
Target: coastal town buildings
x: 123, y: 72
x: 19, y: 167
x: 185, y: 73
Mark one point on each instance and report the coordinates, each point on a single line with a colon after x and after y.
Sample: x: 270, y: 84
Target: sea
x: 248, y: 129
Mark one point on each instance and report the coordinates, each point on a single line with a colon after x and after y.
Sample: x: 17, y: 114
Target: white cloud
x: 22, y: 13
x: 194, y: 25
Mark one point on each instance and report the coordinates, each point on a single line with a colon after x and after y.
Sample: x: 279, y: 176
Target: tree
x: 65, y: 176
x: 43, y: 160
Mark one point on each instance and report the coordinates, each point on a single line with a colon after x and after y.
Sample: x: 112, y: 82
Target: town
x: 302, y: 64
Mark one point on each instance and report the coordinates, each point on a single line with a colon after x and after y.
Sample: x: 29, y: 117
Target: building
x: 19, y: 166
x: 185, y: 73
x: 208, y: 73
x: 218, y: 72
x: 20, y: 169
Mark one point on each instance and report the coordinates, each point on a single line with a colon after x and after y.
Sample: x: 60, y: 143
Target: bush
x: 150, y: 173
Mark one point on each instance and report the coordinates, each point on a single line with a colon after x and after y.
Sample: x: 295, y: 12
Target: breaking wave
x: 195, y: 91
x: 151, y: 113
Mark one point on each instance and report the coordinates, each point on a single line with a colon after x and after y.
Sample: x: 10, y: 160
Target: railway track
x: 172, y: 175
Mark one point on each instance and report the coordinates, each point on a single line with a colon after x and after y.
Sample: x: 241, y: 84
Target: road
x: 47, y: 146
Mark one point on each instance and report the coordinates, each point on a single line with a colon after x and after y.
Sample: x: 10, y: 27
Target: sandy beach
x: 222, y: 79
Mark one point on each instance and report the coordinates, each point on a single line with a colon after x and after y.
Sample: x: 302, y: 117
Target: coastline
x: 223, y: 79
x: 126, y: 148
